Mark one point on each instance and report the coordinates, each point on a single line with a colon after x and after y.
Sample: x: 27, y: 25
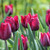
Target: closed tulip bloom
x: 48, y: 17
x: 24, y: 41
x: 25, y: 20
x: 49, y: 37
x: 14, y: 23
x: 44, y: 39
x: 9, y: 7
x: 5, y: 31
x: 34, y: 22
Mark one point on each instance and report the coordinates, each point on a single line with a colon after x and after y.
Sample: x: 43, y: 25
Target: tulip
x: 48, y: 18
x: 14, y: 23
x: 24, y: 41
x: 5, y: 31
x: 9, y: 8
x: 34, y: 22
x: 45, y: 39
x: 24, y: 21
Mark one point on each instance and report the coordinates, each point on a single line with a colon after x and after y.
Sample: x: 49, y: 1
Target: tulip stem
x: 2, y: 8
x: 6, y: 45
x: 14, y: 36
x: 49, y: 5
x: 46, y: 48
x: 49, y: 28
x: 34, y: 33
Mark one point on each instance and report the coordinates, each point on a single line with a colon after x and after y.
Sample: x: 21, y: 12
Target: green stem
x: 46, y: 48
x: 2, y: 8
x: 34, y: 33
x: 15, y: 6
x: 14, y: 36
x: 9, y: 2
x: 49, y: 5
x: 25, y: 2
x: 6, y: 45
x: 49, y: 28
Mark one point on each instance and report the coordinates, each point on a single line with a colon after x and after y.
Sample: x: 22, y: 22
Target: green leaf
x: 40, y: 44
x: 10, y: 41
x: 32, y: 41
x: 32, y: 12
x: 15, y: 46
x: 5, y: 17
x: 21, y: 44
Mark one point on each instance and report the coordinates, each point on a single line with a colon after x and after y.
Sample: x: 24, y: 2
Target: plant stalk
x: 2, y: 8
x: 46, y: 48
x: 34, y: 33
x: 14, y: 36
x: 49, y: 28
x: 6, y: 45
x: 49, y: 5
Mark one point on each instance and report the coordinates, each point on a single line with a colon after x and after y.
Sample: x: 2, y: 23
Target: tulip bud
x: 5, y: 31
x: 48, y: 17
x: 9, y: 7
x: 44, y: 39
x: 14, y: 23
x: 34, y: 22
x: 24, y: 41
x: 24, y: 21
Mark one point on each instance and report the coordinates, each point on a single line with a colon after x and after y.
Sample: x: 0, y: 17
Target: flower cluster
x: 32, y: 20
x: 12, y: 24
x: 45, y: 37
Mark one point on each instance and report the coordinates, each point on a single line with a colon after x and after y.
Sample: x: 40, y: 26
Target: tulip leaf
x: 10, y: 41
x: 21, y: 28
x: 40, y: 44
x: 32, y: 39
x: 40, y: 18
x: 15, y: 46
x: 5, y: 17
x: 32, y: 12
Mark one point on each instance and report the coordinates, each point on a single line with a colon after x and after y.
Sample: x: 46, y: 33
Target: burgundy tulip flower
x: 14, y: 23
x: 49, y: 37
x: 24, y: 41
x: 45, y: 39
x: 25, y: 20
x: 9, y: 7
x: 48, y: 17
x: 5, y: 31
x: 34, y: 22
